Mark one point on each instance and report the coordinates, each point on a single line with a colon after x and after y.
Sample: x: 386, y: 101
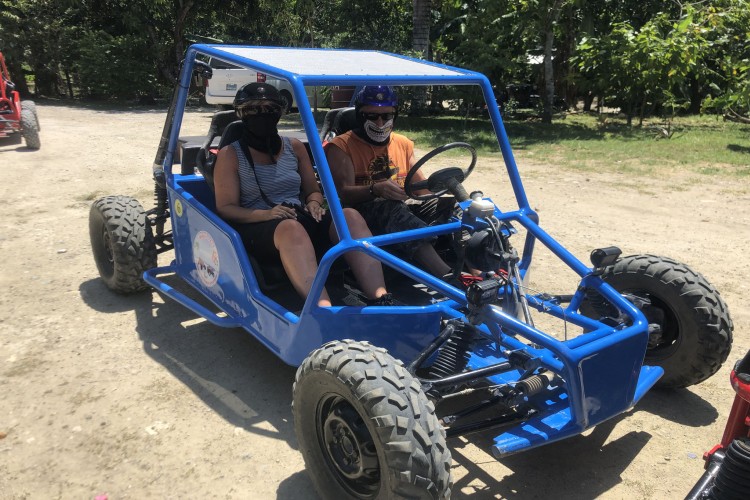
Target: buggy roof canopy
x: 337, y: 66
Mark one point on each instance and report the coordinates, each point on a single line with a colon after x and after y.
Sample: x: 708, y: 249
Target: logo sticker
x: 206, y: 258
x: 178, y: 208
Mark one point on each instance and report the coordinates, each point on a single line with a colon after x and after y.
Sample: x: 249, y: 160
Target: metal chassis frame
x: 566, y: 358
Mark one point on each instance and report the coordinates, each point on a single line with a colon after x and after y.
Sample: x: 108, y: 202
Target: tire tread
x: 413, y: 440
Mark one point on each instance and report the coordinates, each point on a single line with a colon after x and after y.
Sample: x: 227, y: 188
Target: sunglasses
x: 374, y: 116
x: 259, y: 110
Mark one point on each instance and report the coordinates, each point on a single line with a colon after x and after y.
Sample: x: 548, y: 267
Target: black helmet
x: 257, y: 91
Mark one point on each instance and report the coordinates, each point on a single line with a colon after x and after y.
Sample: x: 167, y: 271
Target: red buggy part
x: 16, y: 116
x: 728, y: 463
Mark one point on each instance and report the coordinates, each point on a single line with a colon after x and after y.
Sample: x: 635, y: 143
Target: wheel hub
x: 350, y: 447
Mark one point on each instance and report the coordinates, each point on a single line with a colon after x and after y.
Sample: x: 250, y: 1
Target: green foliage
x: 641, y: 55
x: 115, y: 66
x: 643, y: 67
x: 727, y: 74
x: 366, y: 24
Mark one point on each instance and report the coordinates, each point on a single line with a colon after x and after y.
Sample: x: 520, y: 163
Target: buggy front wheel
x: 694, y: 333
x: 365, y: 427
x: 122, y: 243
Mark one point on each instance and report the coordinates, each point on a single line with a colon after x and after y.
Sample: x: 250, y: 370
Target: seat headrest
x: 206, y: 160
x: 345, y: 120
x: 233, y: 132
x: 219, y: 122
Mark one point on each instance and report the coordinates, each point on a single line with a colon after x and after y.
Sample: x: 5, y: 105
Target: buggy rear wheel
x: 32, y: 106
x: 696, y: 329
x: 122, y: 243
x: 365, y: 427
x: 30, y: 129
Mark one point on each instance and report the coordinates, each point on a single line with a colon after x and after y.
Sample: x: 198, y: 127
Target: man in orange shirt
x: 369, y: 165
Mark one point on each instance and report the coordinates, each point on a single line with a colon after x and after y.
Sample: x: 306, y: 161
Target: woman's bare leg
x: 298, y: 258
x: 368, y: 271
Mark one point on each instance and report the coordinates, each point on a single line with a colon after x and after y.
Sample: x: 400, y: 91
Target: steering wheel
x: 445, y: 179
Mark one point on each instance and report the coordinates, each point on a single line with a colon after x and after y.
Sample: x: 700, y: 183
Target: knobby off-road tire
x: 32, y: 106
x: 122, y: 242
x: 695, y: 321
x: 30, y: 129
x: 365, y: 427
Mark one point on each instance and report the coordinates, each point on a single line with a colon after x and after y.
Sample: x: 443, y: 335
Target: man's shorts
x: 391, y: 216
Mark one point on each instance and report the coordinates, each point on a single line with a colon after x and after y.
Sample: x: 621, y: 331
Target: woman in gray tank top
x: 266, y: 189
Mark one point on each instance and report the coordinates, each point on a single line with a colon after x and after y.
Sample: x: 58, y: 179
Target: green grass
x: 701, y: 145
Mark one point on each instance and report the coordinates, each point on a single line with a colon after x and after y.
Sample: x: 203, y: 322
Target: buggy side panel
x: 210, y: 256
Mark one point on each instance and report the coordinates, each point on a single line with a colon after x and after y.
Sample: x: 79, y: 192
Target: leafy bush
x: 117, y: 67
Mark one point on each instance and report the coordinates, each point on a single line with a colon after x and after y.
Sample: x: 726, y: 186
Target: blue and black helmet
x: 376, y: 95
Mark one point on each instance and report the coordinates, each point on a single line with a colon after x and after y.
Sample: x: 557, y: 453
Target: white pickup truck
x: 228, y: 78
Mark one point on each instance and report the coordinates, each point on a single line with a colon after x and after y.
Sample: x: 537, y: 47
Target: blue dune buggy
x: 379, y: 390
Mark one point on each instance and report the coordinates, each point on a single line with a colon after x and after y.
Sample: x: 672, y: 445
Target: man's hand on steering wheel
x: 389, y: 189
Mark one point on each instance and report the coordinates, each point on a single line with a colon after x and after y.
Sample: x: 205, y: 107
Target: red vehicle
x: 727, y: 473
x: 16, y: 116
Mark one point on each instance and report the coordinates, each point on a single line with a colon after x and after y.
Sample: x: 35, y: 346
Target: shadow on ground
x: 228, y: 369
x: 248, y: 385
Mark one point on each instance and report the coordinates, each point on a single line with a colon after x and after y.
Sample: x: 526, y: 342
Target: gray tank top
x: 280, y: 181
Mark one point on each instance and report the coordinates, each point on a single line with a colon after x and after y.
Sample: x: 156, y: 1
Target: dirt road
x: 137, y: 398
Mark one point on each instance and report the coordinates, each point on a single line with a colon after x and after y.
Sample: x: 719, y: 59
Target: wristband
x: 372, y: 190
x: 316, y: 201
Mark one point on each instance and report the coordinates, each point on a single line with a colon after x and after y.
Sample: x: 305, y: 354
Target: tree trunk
x: 696, y: 96
x: 733, y: 116
x: 179, y: 30
x: 421, y: 30
x: 421, y: 45
x: 549, y: 72
x: 18, y: 77
x: 549, y: 77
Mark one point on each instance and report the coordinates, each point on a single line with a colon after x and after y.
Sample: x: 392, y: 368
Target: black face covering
x: 262, y: 133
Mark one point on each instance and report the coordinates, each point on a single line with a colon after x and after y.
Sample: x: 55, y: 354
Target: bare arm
x: 313, y: 198
x: 342, y: 169
x: 227, y: 190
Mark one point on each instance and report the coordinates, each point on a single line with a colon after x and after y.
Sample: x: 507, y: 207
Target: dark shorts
x: 258, y: 237
x: 391, y: 216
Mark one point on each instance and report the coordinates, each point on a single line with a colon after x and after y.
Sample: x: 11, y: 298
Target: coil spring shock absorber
x: 454, y: 354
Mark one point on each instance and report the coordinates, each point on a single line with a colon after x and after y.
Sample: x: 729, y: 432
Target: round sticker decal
x: 178, y: 208
x: 206, y: 258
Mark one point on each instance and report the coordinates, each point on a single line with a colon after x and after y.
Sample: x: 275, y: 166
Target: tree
x: 421, y: 19
x: 726, y: 73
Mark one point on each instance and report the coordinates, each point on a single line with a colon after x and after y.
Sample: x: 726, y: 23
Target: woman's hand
x: 282, y: 212
x: 315, y: 209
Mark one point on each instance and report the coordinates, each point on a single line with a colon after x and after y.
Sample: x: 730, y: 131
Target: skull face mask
x: 376, y: 134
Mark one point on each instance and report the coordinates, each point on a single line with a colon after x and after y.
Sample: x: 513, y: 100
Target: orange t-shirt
x: 377, y: 163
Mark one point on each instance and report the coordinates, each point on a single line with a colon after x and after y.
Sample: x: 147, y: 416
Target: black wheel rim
x: 660, y: 313
x: 348, y: 447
